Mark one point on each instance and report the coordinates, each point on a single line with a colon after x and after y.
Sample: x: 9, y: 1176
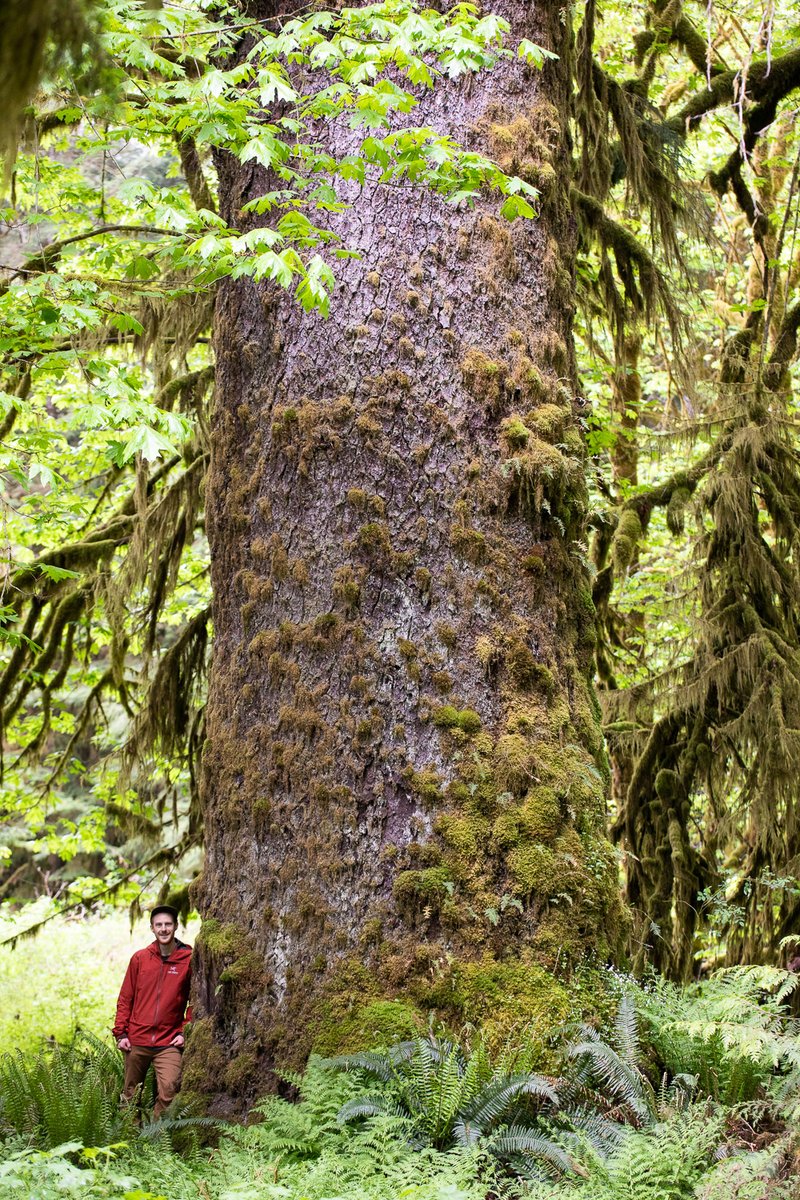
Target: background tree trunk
x: 405, y: 778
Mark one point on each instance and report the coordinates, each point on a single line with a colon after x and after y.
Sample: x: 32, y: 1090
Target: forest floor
x: 732, y: 1136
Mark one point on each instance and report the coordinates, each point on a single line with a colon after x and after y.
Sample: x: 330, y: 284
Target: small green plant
x: 666, y: 1161
x: 68, y: 1170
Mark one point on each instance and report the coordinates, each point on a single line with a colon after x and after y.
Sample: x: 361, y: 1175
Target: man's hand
x: 123, y: 1044
x: 177, y: 1040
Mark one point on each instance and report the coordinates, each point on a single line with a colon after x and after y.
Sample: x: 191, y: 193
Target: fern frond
x: 517, y: 1140
x: 371, y: 1062
x: 619, y: 1080
x: 373, y: 1105
x: 603, y: 1135
x: 493, y: 1102
x: 627, y: 1042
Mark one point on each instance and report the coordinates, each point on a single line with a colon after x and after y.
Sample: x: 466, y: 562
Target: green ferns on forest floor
x: 689, y: 1093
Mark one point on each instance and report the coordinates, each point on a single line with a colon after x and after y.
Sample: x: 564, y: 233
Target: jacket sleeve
x: 125, y: 1001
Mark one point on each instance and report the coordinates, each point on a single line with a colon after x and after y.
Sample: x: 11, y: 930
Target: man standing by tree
x: 151, y: 1010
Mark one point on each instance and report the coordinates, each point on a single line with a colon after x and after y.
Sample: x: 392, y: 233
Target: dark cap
x: 164, y: 908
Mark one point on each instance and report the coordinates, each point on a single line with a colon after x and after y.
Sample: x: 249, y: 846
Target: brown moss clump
x: 300, y: 430
x: 363, y: 501
x: 513, y: 763
x: 346, y: 589
x: 545, y: 484
x: 549, y: 421
x: 504, y: 264
x: 442, y: 681
x: 552, y: 349
x: 426, y: 784
x: 526, y: 380
x: 373, y: 540
x: 424, y: 580
x: 534, y: 564
x: 469, y: 543
x: 484, y: 377
x: 447, y: 635
x: 525, y: 672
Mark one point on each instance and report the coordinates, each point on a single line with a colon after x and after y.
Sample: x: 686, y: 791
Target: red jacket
x: 151, y: 1008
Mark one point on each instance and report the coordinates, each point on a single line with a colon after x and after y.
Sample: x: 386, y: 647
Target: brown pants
x: 166, y: 1062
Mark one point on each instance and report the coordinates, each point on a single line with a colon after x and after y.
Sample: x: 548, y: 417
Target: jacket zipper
x: 158, y: 997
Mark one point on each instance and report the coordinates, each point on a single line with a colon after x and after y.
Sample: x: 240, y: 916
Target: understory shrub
x: 666, y: 1161
x: 71, y: 1094
x: 65, y: 1094
x: 449, y: 1098
x: 733, y: 1032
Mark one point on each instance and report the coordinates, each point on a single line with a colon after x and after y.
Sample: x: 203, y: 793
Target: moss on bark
x: 405, y: 777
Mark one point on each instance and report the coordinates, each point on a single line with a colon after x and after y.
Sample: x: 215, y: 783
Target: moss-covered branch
x: 767, y: 80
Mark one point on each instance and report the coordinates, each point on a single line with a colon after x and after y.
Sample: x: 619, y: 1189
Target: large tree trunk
x: 405, y: 776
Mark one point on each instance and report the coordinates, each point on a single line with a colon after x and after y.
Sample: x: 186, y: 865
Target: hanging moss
x: 627, y: 537
x: 676, y: 510
x: 545, y: 483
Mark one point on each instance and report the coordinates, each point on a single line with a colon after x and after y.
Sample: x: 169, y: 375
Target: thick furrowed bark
x: 405, y: 778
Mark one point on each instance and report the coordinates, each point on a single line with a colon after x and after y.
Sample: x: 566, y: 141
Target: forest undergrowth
x: 678, y: 1092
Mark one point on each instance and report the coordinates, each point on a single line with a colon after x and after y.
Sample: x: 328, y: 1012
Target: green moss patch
x: 500, y: 997
x: 446, y: 716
